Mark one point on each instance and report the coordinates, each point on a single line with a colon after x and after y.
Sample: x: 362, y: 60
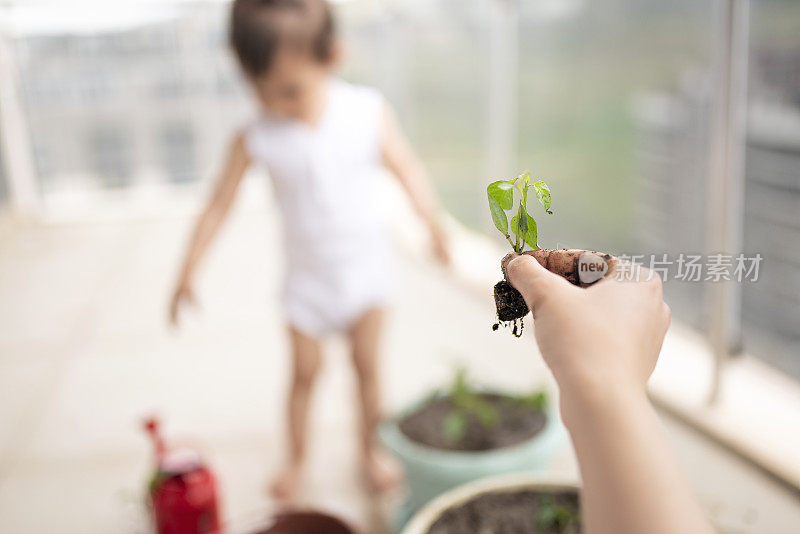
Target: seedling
x: 580, y: 267
x: 535, y: 400
x: 560, y: 518
x: 522, y: 225
x: 525, y: 231
x: 468, y: 401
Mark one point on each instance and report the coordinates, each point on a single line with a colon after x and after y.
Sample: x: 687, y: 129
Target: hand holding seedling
x: 609, y: 333
x: 580, y: 267
x: 602, y: 344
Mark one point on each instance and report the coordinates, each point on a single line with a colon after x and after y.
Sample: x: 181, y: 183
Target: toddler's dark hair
x: 259, y: 28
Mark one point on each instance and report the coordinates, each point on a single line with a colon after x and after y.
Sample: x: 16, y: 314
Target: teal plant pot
x: 431, y: 472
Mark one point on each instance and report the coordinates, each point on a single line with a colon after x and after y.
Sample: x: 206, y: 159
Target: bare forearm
x: 403, y: 162
x: 217, y: 208
x: 602, y: 344
x: 400, y: 159
x: 631, y: 481
x: 416, y: 183
x: 204, y: 231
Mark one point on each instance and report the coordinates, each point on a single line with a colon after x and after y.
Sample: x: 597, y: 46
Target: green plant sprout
x: 559, y: 518
x: 535, y: 400
x: 468, y: 401
x: 522, y: 225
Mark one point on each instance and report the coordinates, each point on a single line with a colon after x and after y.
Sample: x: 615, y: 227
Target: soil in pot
x: 306, y: 523
x: 513, y: 512
x: 513, y: 423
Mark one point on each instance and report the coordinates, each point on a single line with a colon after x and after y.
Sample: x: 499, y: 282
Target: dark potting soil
x: 516, y: 422
x: 513, y: 512
x: 511, y: 307
x: 306, y: 523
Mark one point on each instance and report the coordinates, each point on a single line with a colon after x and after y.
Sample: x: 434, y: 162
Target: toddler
x: 323, y: 142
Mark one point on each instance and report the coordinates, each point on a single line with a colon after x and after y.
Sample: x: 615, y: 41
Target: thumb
x: 535, y: 282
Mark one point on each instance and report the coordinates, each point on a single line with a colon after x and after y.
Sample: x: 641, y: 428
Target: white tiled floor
x: 85, y: 353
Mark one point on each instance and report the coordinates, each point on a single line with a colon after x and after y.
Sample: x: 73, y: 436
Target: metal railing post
x: 17, y: 153
x: 502, y: 88
x: 726, y: 177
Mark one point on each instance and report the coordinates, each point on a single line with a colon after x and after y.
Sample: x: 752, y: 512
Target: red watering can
x: 183, y: 490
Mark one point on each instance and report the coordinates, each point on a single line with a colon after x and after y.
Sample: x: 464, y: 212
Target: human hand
x: 183, y: 294
x: 441, y: 250
x: 603, y: 338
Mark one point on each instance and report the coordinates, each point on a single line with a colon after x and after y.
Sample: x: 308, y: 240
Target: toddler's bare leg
x: 306, y: 357
x: 380, y: 470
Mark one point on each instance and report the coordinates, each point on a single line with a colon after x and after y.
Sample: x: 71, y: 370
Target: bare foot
x: 382, y: 472
x: 287, y: 484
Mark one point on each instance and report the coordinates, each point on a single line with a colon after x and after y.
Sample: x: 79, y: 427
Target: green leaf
x: 454, y: 426
x: 556, y: 517
x: 503, y: 192
x: 499, y: 217
x: 501, y: 198
x: 521, y: 184
x: 531, y: 233
x: 460, y: 390
x: 543, y: 194
x: 522, y: 222
x: 536, y: 400
x: 485, y: 412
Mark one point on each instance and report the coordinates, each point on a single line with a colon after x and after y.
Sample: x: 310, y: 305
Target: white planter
x: 423, y: 520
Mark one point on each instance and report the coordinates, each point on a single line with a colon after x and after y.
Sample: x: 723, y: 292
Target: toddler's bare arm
x: 209, y: 222
x: 400, y: 158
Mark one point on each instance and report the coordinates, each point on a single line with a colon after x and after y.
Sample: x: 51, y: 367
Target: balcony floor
x: 85, y: 353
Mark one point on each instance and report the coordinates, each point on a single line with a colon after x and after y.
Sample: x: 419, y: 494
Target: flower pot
x: 296, y: 522
x: 431, y: 472
x: 427, y: 516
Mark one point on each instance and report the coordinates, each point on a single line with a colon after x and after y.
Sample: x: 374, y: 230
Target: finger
x: 653, y: 281
x: 173, y: 312
x: 443, y: 251
x: 441, y: 254
x: 191, y: 298
x: 532, y: 280
x: 667, y: 315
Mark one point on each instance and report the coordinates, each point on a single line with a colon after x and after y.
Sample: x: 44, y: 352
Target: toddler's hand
x: 183, y: 294
x: 603, y: 338
x: 441, y: 251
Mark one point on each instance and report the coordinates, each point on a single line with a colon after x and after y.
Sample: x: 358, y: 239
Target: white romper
x: 338, y: 260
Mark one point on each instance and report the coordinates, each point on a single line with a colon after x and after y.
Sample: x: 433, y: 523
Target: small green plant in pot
x: 580, y: 267
x: 520, y: 502
x: 525, y: 510
x: 474, y: 416
x: 464, y: 433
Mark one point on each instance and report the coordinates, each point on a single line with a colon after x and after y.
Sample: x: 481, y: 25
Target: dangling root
x: 517, y: 325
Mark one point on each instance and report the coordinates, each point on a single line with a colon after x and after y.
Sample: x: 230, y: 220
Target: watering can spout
x: 153, y: 427
x: 183, y: 490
